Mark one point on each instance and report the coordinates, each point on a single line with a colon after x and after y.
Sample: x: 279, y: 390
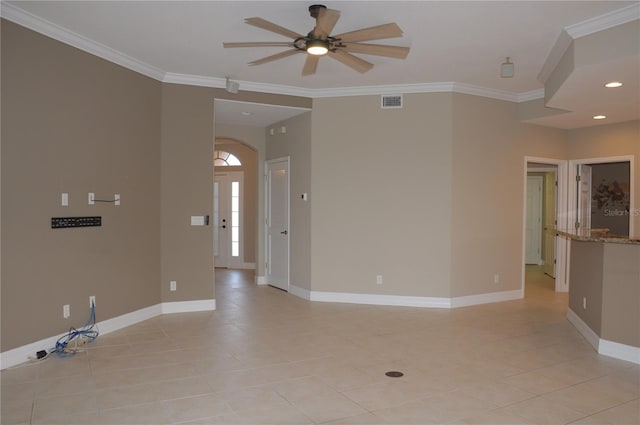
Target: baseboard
x: 584, y: 329
x: 21, y: 354
x: 492, y: 297
x: 616, y: 350
x: 261, y: 280
x: 188, y: 306
x: 620, y: 351
x: 404, y: 301
x: 376, y: 299
x: 300, y: 292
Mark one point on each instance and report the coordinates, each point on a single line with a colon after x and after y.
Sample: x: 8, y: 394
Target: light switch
x: 197, y: 220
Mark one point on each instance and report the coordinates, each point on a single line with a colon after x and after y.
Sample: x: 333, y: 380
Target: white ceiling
x: 454, y: 44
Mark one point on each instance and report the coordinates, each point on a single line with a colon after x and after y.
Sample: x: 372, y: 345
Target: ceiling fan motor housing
x: 314, y: 9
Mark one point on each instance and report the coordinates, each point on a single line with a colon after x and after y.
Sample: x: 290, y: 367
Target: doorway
x: 227, y: 219
x: 533, y: 238
x: 550, y: 176
x: 603, y: 196
x: 277, y: 223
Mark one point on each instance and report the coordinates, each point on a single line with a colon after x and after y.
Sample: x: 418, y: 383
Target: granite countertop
x: 597, y: 235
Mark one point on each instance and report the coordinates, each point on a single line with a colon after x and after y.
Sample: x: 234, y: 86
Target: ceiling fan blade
x: 310, y: 65
x: 276, y: 56
x: 270, y: 26
x: 379, y: 32
x: 398, y: 52
x: 354, y: 62
x: 325, y: 22
x: 259, y: 44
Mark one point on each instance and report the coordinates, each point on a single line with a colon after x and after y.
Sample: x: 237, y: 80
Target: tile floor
x: 267, y: 357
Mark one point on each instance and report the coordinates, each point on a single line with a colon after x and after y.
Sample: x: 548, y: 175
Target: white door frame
x: 573, y: 195
x: 540, y: 185
x: 562, y: 282
x: 267, y: 200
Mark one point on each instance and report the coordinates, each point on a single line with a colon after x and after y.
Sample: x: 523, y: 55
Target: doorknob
x: 284, y: 232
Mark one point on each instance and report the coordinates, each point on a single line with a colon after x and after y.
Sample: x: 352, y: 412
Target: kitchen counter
x: 598, y: 235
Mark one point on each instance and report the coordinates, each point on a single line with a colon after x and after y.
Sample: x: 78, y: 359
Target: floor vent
x: 394, y: 101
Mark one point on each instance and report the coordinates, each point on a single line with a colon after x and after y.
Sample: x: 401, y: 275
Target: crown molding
x: 606, y: 21
x: 15, y: 14
x: 446, y: 87
x: 530, y: 95
x: 21, y: 17
x: 584, y: 28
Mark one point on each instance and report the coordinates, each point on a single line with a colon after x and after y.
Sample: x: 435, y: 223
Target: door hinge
x: 556, y: 183
x: 578, y: 178
x: 577, y: 224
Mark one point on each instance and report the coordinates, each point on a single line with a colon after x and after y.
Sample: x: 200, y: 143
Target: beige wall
x: 609, y: 140
x: 621, y: 295
x: 607, y: 276
x: 381, y: 195
x: 187, y: 182
x: 296, y: 144
x: 586, y: 282
x: 74, y: 123
x: 488, y: 174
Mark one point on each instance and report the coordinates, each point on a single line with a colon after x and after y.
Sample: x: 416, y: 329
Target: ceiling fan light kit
x: 318, y: 42
x: 317, y: 47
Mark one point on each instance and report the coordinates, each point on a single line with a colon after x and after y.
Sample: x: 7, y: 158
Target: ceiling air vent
x: 394, y: 101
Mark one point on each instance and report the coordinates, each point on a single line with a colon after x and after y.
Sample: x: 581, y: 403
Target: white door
x: 584, y: 197
x: 534, y: 220
x: 550, y: 214
x: 277, y: 223
x: 227, y: 219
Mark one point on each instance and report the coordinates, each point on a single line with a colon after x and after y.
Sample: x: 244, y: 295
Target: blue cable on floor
x: 86, y: 334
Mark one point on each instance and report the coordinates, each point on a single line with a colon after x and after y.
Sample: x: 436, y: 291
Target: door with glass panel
x: 227, y: 219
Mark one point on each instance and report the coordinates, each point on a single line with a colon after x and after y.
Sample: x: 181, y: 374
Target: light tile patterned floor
x: 267, y: 357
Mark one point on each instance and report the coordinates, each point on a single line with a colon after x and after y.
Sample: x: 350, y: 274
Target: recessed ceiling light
x: 613, y: 84
x: 246, y: 114
x: 599, y: 117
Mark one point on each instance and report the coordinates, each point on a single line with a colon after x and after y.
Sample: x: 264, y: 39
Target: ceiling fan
x: 319, y: 42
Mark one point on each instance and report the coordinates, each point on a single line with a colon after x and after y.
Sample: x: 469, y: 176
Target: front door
x: 227, y: 219
x: 277, y: 223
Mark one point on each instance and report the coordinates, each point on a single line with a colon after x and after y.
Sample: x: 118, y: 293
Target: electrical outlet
x: 64, y: 199
x: 173, y: 285
x: 584, y: 303
x: 92, y: 198
x: 379, y: 279
x: 66, y: 311
x: 496, y: 278
x: 92, y: 301
x: 116, y: 199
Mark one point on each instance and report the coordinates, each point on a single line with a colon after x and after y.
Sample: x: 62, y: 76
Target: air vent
x: 394, y: 101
